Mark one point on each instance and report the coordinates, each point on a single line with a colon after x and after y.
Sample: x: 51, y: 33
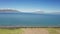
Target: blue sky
x: 32, y: 5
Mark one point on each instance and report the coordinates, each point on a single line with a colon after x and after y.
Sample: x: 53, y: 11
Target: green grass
x: 57, y: 28
x: 11, y: 31
x: 19, y: 31
x: 52, y: 31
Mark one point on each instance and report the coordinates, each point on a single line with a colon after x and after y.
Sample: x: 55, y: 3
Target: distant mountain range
x: 16, y: 11
x: 56, y: 13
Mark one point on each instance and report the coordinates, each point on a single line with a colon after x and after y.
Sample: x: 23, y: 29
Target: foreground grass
x: 11, y: 31
x: 53, y: 30
x: 20, y: 30
x: 57, y: 28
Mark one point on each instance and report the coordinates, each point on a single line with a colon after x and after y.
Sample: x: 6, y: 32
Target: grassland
x: 30, y: 30
x: 11, y: 31
x: 53, y: 30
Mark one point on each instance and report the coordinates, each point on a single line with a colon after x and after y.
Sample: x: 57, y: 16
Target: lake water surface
x: 29, y: 20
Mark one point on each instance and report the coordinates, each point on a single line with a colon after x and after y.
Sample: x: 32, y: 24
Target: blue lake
x: 29, y: 20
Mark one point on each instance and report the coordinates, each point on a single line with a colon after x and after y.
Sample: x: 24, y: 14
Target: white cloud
x: 29, y: 10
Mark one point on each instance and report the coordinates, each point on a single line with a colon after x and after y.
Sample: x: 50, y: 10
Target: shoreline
x: 29, y: 27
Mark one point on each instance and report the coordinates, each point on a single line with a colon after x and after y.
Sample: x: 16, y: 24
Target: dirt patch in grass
x: 35, y: 31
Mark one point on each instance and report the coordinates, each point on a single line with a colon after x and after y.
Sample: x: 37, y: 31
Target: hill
x: 8, y: 11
